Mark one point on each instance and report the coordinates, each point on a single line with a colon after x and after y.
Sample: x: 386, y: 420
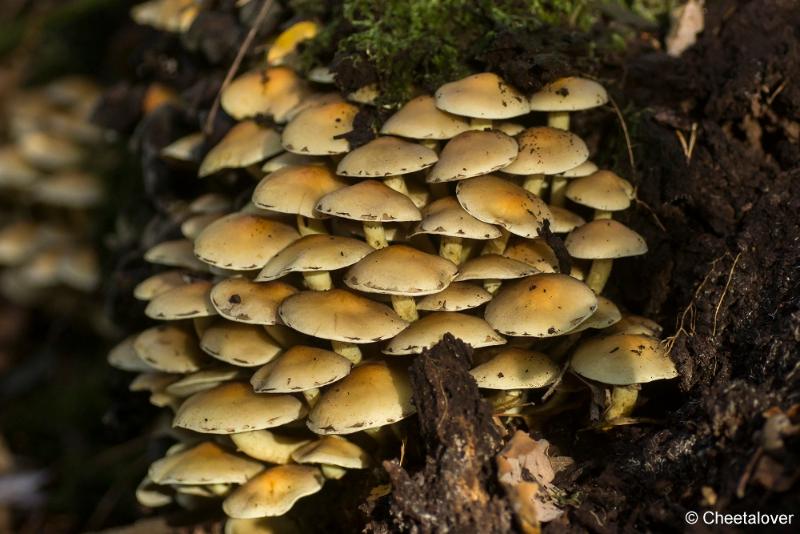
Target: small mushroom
x: 429, y: 330
x: 458, y: 296
x: 273, y: 492
x: 317, y: 130
x: 482, y: 97
x: 245, y: 144
x: 268, y: 446
x: 240, y: 344
x: 244, y: 301
x: 273, y: 92
x: 564, y: 95
x: 184, y: 301
x: 602, y: 190
x: 205, y: 463
x: 419, y: 118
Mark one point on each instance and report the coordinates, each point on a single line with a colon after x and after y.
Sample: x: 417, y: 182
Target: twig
x: 776, y: 92
x: 625, y: 133
x: 237, y: 62
x: 559, y: 378
x: 724, y: 292
x: 649, y: 208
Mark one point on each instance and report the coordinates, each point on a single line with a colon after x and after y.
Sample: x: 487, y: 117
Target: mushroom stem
x: 466, y: 250
x: 307, y: 226
x: 450, y: 248
x: 318, y: 280
x: 508, y: 401
x: 497, y: 245
x: 311, y: 396
x: 492, y: 285
x: 348, y: 350
x: 332, y: 472
x: 622, y: 403
x: 405, y: 307
x: 598, y: 275
x: 396, y: 183
x: 558, y: 119
x: 601, y: 214
x: 476, y: 123
x: 558, y: 191
x: 534, y: 183
x: 375, y: 234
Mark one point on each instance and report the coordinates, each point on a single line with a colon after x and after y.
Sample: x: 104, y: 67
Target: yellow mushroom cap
x: 484, y: 95
x: 210, y: 203
x: 202, y: 380
x: 289, y: 40
x: 457, y: 296
x: 542, y: 305
x: 386, y: 156
x: 445, y: 216
x: 169, y: 348
x: 563, y: 220
x: 174, y: 16
x: 602, y: 190
x: 515, y: 368
x: 473, y: 153
x: 535, y: 252
x: 494, y: 267
x: 584, y: 169
x: 187, y: 148
x: 604, y: 316
x: 234, y: 407
x: 124, y: 357
x: 374, y: 394
x: 151, y: 495
x: 268, y: 446
x: 242, y: 242
x: 195, y: 224
x: 296, y: 189
x: 341, y: 316
x: 636, y: 324
x: 316, y: 252
x: 245, y: 144
x: 509, y: 128
x: 604, y: 239
x: 273, y: 492
x: 273, y: 92
x: 315, y: 131
x: 175, y: 253
x: 623, y: 359
x: 299, y: 369
x: 419, y: 118
x: 400, y: 270
x: 241, y: 344
x: 429, y: 330
x: 288, y: 158
x: 332, y: 450
x: 545, y: 150
x: 244, y: 301
x: 569, y: 94
x: 369, y: 201
x: 497, y: 201
x: 182, y: 302
x: 205, y: 463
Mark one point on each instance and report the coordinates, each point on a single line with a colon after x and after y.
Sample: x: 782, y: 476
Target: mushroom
x: 202, y: 380
x: 564, y: 95
x: 273, y: 492
x: 317, y: 130
x: 69, y: 189
x: 492, y: 268
x: 288, y: 158
x: 471, y: 154
x: 245, y: 301
x: 512, y: 371
x: 205, y: 463
x: 240, y: 344
x: 273, y: 92
x: 482, y: 97
x: 184, y: 301
x: 123, y: 356
x: 458, y: 296
x: 186, y: 149
x: 159, y: 283
x: 175, y: 253
x: 170, y: 348
x: 268, y: 446
x: 287, y: 43
x: 429, y: 330
x: 419, y: 118
x: 334, y: 454
x: 602, y: 190
x: 245, y: 144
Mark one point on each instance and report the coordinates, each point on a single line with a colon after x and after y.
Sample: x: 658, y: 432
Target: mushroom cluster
x: 283, y: 325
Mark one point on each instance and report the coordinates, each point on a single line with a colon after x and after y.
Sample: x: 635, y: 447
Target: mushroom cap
x: 400, y: 270
x: 535, y: 252
x: 191, y: 227
x: 636, y: 324
x: 244, y: 345
x: 242, y: 242
x: 268, y: 446
x: 445, y: 216
x: 386, y: 156
x: 175, y: 253
x: 604, y: 316
x: 69, y: 189
x: 287, y: 159
x: 369, y: 200
x: 47, y: 151
x: 273, y: 492
x: 315, y: 100
x: 494, y: 267
x: 123, y: 356
x: 169, y: 348
x: 509, y: 128
x: 473, y: 153
x: 429, y: 330
x: 205, y: 463
x: 457, y: 296
x: 152, y: 382
x: 296, y: 189
x: 604, y: 239
x: 14, y: 170
x: 340, y: 315
x: 19, y: 240
x: 623, y: 359
x: 244, y: 301
x: 602, y: 190
x: 299, y: 369
x: 419, y: 118
x: 542, y: 305
x: 332, y: 450
x: 374, y: 394
x: 210, y: 203
x: 545, y: 150
x: 287, y: 43
x: 563, y: 220
x: 202, y: 380
x: 274, y: 92
x: 515, y: 368
x: 497, y: 201
x: 151, y: 495
x: 316, y: 130
x: 187, y: 148
x: 261, y: 525
x: 584, y: 169
x: 182, y: 302
x: 569, y: 94
x: 484, y: 95
x: 245, y: 144
x: 315, y: 253
x: 234, y: 407
x: 175, y: 16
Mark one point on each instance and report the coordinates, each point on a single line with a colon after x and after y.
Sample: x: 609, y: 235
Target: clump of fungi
x: 284, y: 329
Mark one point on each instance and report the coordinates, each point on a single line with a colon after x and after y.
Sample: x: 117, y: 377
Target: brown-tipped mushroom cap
x: 341, y: 316
x: 374, y: 394
x: 175, y: 253
x: 602, y: 190
x: 473, y: 153
x: 244, y: 301
x: 636, y: 324
x: 206, y: 463
x: 234, y: 407
x: 604, y: 239
x: 497, y: 201
x: 245, y: 144
x: 604, y: 316
x: 296, y: 189
x: 419, y: 118
x: 187, y: 148
x: 457, y: 296
x: 494, y: 267
x: 312, y: 253
x: 369, y: 201
x: 584, y: 169
x: 274, y: 92
x: 194, y: 225
x: 124, y: 357
x: 299, y: 369
x: 332, y: 450
x: 400, y: 270
x: 268, y: 446
x: 483, y: 95
x: 273, y: 492
x: 386, y: 156
x: 535, y: 252
x: 288, y: 158
x: 169, y: 348
x: 316, y: 131
x: 202, y: 380
x: 542, y: 305
x: 182, y: 302
x: 623, y: 359
x: 563, y: 220
x: 545, y: 150
x: 515, y: 368
x: 569, y: 94
x: 241, y: 344
x: 445, y: 216
x: 429, y: 330
x: 242, y: 242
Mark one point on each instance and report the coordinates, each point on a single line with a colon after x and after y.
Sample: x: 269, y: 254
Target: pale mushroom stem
x: 311, y: 396
x: 534, y: 183
x: 466, y: 250
x: 348, y: 350
x: 307, y: 226
x: 405, y: 307
x: 558, y: 119
x: 480, y: 124
x: 558, y: 191
x: 375, y: 234
x: 397, y: 183
x: 450, y: 248
x: 622, y: 403
x: 601, y: 214
x: 509, y: 401
x: 332, y: 472
x: 492, y: 285
x: 598, y: 275
x: 497, y: 245
x: 318, y: 281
